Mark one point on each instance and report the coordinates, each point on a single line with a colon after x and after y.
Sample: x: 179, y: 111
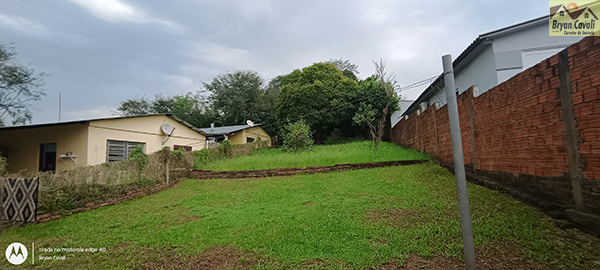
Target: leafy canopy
x: 381, y: 99
x: 320, y: 94
x: 189, y: 107
x: 19, y: 85
x: 236, y: 95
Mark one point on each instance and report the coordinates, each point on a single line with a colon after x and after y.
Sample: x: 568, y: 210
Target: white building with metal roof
x: 495, y: 57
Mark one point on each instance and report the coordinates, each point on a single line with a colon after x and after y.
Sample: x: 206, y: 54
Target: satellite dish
x: 167, y: 129
x: 249, y: 123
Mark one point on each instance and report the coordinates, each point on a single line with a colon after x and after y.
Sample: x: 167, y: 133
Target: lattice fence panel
x: 19, y: 199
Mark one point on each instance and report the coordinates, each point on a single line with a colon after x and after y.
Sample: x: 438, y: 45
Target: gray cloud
x: 102, y: 52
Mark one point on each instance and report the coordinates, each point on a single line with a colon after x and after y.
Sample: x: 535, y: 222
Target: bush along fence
x: 226, y: 150
x: 130, y: 195
x: 74, y: 191
x: 81, y: 189
x: 205, y: 174
x: 536, y: 136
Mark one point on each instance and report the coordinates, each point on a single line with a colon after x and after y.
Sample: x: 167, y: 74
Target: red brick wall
x: 518, y: 124
x: 584, y: 63
x: 521, y: 144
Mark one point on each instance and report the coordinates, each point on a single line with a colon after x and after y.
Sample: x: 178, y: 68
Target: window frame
x: 129, y: 145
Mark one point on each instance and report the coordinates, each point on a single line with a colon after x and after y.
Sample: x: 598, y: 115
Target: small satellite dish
x: 249, y: 123
x: 167, y: 129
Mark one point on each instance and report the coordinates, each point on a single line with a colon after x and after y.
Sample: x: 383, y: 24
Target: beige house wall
x: 253, y: 132
x: 139, y: 129
x: 87, y: 141
x: 22, y: 146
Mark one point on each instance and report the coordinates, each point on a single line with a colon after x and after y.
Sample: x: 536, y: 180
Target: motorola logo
x: 16, y: 253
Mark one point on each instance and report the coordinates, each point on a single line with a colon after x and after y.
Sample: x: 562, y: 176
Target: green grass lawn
x: 337, y: 220
x: 355, y: 152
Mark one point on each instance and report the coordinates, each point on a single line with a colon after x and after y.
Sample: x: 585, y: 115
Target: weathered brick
x: 595, y: 80
x: 578, y: 98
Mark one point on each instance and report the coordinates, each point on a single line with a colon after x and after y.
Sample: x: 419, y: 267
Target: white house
x: 495, y: 57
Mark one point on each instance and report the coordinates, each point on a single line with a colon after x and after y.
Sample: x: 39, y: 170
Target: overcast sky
x: 100, y: 52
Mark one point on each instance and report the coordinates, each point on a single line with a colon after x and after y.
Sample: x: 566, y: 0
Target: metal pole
x: 59, y: 104
x: 459, y: 165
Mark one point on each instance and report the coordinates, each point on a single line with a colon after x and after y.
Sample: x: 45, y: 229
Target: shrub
x: 69, y: 189
x: 226, y: 146
x: 297, y: 137
x: 137, y: 155
x: 226, y: 150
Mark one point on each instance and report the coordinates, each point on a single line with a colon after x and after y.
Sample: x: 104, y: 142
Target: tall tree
x: 19, y: 85
x: 236, y: 95
x: 267, y: 106
x: 135, y: 106
x: 320, y: 94
x: 379, y: 92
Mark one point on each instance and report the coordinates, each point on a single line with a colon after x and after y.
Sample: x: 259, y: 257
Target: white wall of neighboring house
x: 480, y: 71
x: 521, y: 50
x: 503, y: 56
x: 397, y: 115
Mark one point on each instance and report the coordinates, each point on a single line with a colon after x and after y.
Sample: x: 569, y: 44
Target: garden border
x: 207, y: 174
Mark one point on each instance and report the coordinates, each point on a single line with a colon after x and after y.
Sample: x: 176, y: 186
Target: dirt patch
x: 499, y: 255
x: 362, y: 195
x: 193, y: 218
x: 396, y: 218
x: 310, y: 264
x: 214, y: 258
x: 417, y: 262
x: 307, y: 203
x: 122, y: 245
x: 496, y: 256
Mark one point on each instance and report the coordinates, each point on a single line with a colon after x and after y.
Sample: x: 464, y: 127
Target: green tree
x: 189, y: 107
x: 135, y: 106
x: 320, y: 94
x: 19, y: 85
x: 266, y: 105
x: 236, y: 96
x: 380, y: 98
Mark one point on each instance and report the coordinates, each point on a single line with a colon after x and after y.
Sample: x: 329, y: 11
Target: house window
x: 587, y: 16
x: 119, y: 150
x: 249, y: 140
x: 562, y: 13
x: 186, y: 148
